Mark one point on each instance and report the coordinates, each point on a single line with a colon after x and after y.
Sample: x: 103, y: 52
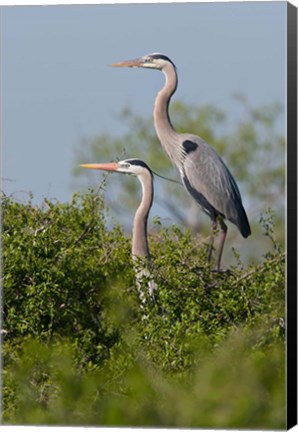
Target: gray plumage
x: 140, y: 248
x: 204, y: 174
x: 209, y: 181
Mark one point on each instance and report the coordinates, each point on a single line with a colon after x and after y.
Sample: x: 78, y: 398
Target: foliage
x: 67, y: 248
x: 250, y: 145
x: 80, y: 349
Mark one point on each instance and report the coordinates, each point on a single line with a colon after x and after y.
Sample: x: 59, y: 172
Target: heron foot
x: 223, y: 271
x: 198, y: 269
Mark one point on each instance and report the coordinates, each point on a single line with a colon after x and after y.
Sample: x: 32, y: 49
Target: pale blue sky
x: 58, y: 87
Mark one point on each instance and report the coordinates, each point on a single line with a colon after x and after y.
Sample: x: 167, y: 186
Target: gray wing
x: 210, y: 182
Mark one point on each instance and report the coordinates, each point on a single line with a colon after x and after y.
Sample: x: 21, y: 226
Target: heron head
x: 149, y: 61
x: 133, y: 166
x: 128, y: 166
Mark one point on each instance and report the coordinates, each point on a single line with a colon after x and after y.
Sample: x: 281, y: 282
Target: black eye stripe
x: 162, y: 57
x: 138, y: 162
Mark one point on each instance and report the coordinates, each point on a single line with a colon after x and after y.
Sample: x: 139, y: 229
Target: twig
x: 260, y: 269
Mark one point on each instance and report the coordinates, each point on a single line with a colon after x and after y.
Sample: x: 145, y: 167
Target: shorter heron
x: 140, y: 248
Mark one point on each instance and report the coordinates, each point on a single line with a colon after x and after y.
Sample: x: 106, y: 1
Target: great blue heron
x: 204, y: 174
x: 140, y: 248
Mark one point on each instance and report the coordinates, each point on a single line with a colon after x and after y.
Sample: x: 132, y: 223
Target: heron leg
x: 211, y: 241
x: 223, y: 234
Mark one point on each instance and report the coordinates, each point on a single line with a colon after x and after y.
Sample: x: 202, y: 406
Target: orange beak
x: 110, y: 166
x: 129, y: 63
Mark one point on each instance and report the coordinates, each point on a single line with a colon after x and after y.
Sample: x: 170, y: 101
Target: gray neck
x: 163, y: 126
x: 139, y: 233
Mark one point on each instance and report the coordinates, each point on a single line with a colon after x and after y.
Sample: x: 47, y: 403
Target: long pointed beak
x: 129, y: 63
x: 110, y: 166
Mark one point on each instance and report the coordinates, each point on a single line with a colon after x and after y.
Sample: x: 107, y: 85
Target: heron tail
x: 243, y: 223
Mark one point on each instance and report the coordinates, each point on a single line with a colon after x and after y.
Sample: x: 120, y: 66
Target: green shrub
x: 80, y: 349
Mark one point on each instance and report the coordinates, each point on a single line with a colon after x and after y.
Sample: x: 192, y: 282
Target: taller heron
x: 204, y: 174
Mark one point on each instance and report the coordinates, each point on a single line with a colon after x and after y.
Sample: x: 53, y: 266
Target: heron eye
x: 125, y: 165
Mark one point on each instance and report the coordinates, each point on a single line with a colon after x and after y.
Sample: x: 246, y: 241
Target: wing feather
x: 210, y: 178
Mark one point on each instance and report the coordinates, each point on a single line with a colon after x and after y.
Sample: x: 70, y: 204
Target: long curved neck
x: 163, y: 126
x: 139, y: 232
